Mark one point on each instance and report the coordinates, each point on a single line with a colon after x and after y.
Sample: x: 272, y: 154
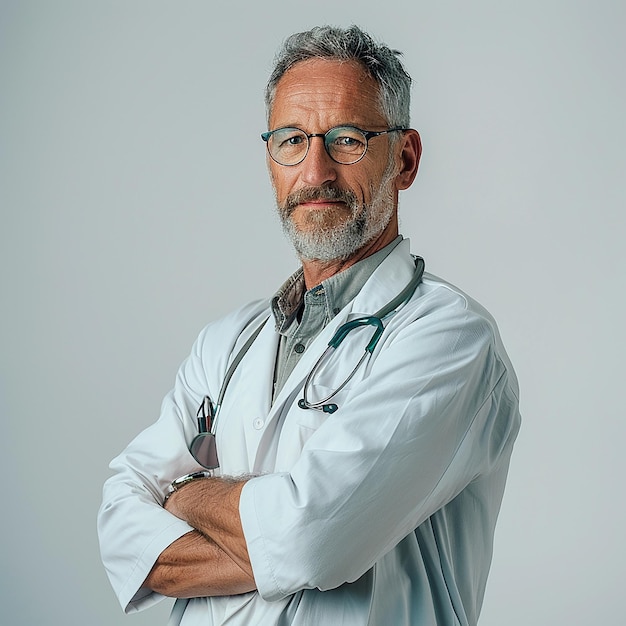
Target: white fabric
x: 381, y: 513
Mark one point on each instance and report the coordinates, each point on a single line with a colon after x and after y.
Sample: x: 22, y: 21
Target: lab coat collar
x: 387, y: 280
x: 337, y: 290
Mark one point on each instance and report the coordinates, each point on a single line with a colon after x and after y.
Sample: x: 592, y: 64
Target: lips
x: 317, y: 198
x: 321, y: 203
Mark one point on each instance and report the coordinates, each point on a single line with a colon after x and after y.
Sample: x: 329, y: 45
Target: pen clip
x: 205, y: 415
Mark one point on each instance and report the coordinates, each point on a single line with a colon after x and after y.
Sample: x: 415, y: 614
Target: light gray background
x: 135, y: 208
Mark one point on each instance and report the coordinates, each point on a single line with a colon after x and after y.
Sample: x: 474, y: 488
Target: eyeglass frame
x: 368, y: 134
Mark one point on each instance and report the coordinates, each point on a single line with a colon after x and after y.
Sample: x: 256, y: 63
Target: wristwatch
x: 183, y: 480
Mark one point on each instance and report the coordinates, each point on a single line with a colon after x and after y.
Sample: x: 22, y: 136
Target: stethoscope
x: 342, y: 332
x: 203, y: 446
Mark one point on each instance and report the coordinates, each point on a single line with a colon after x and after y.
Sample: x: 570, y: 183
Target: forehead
x: 323, y: 93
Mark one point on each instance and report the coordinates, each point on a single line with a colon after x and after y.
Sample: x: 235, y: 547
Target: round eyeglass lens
x: 345, y: 144
x: 288, y: 146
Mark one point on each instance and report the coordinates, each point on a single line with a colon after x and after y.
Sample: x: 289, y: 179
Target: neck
x: 315, y: 272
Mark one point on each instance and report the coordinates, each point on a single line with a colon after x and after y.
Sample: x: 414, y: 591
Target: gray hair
x: 350, y: 44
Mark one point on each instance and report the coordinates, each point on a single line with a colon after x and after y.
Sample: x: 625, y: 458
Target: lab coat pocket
x: 309, y: 420
x: 308, y: 423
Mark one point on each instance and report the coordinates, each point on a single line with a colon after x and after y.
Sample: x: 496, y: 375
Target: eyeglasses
x: 344, y: 144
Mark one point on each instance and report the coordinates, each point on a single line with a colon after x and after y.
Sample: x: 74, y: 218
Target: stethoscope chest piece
x: 204, y: 450
x: 203, y: 446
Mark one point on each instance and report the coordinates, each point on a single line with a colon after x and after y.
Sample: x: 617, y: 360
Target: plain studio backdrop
x: 136, y: 208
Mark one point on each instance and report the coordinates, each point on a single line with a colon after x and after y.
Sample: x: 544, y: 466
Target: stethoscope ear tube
x: 344, y: 329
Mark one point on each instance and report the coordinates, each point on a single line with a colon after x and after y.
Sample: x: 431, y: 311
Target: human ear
x: 410, y: 154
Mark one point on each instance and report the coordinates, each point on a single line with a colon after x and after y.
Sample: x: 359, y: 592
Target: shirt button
x: 258, y: 423
x: 299, y: 348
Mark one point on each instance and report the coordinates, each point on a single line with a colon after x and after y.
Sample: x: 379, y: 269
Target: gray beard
x: 341, y: 241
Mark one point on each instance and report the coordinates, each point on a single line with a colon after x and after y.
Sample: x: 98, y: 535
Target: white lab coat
x: 381, y: 513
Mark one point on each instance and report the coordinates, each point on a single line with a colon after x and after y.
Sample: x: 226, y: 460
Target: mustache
x: 306, y: 194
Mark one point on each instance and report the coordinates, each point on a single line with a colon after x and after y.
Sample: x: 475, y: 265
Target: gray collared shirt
x: 300, y: 315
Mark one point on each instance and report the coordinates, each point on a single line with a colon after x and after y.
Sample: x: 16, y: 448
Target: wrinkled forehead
x: 341, y: 92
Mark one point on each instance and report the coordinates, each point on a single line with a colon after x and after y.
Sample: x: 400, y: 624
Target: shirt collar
x: 337, y: 291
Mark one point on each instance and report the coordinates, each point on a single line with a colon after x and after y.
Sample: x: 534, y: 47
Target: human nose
x: 317, y: 167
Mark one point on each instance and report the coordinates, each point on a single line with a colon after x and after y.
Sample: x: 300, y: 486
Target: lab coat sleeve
x: 437, y: 409
x: 133, y: 526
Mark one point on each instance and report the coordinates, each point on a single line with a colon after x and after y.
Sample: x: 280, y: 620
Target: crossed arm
x: 213, y: 559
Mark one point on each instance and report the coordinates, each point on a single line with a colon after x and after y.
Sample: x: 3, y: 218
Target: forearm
x: 211, y: 506
x: 195, y: 566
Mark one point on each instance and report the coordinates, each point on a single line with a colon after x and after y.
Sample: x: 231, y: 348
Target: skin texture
x: 213, y: 559
x: 314, y: 95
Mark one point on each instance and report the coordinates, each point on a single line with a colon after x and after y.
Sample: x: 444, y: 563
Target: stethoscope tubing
x: 323, y: 405
x: 373, y: 320
x: 342, y: 332
x: 208, y: 413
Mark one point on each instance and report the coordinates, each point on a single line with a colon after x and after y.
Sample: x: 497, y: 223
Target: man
x: 378, y: 507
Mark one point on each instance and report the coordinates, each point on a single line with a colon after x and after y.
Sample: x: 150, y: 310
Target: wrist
x: 180, y: 482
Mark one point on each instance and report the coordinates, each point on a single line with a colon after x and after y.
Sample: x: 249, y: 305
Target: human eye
x: 294, y: 140
x: 288, y: 145
x: 288, y: 138
x: 346, y: 140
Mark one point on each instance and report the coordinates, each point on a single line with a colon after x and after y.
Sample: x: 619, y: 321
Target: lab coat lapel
x: 309, y: 358
x: 248, y: 399
x: 267, y: 441
x: 386, y: 282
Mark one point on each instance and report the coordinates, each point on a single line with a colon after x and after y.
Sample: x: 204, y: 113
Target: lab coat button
x: 299, y: 348
x: 258, y: 423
